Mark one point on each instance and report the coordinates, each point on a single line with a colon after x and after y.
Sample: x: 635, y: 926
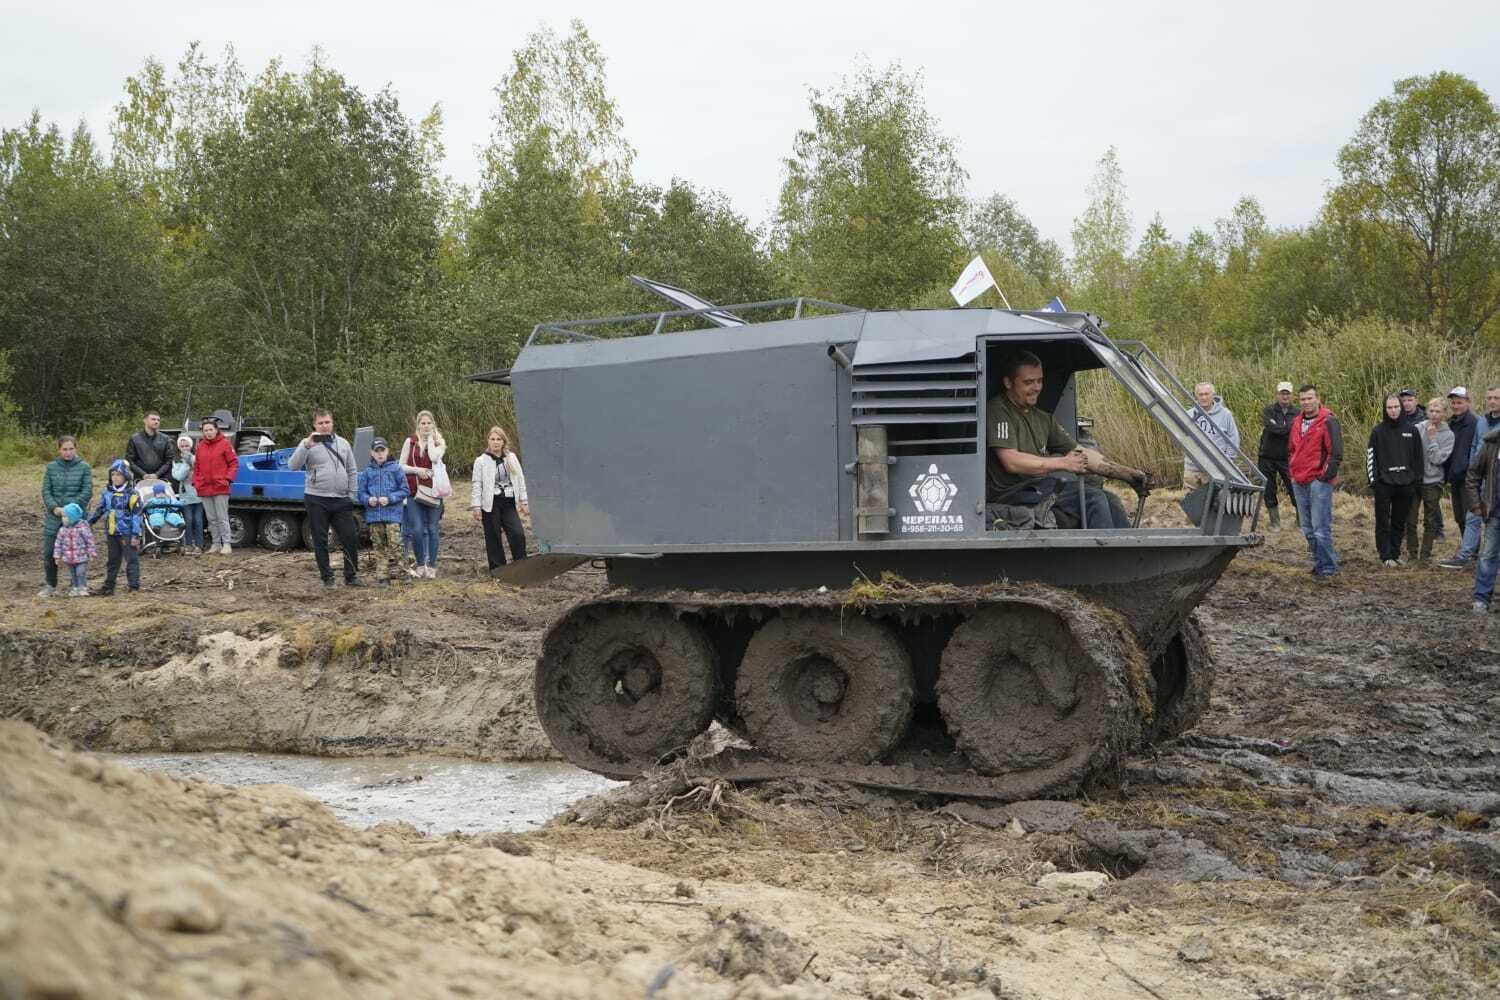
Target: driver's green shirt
x: 1034, y: 432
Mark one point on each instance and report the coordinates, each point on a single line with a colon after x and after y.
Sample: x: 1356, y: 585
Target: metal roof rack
x: 574, y: 330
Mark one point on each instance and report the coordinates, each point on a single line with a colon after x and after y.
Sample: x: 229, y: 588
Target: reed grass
x: 1354, y: 365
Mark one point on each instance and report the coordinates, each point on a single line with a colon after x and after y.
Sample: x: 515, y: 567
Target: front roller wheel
x: 812, y: 688
x: 1024, y: 694
x: 1182, y: 678
x: 619, y: 688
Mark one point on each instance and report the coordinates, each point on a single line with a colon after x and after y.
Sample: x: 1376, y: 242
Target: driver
x: 1031, y: 460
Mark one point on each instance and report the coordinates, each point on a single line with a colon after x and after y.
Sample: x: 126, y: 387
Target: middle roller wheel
x: 1038, y: 695
x: 813, y: 688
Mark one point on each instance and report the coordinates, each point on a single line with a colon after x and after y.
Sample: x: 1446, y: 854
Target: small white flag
x: 973, y: 282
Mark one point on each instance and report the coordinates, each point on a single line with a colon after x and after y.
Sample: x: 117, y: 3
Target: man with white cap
x: 1463, y: 424
x: 1275, y: 425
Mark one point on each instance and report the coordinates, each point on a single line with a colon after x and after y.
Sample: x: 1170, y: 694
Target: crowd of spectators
x: 175, y: 493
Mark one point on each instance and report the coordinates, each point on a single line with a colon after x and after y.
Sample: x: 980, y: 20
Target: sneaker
x: 224, y: 550
x: 1455, y: 563
x: 328, y: 582
x: 356, y: 582
x: 1275, y: 518
x: 1391, y: 563
x: 415, y: 572
x: 103, y: 593
x: 1479, y: 608
x: 78, y: 592
x: 431, y: 573
x: 48, y: 591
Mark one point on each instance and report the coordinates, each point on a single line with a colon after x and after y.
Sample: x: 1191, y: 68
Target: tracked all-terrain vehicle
x: 790, y: 506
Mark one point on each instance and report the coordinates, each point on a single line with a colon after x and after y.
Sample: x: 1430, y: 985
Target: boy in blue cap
x: 382, y: 491
x: 74, y: 547
x: 119, y: 505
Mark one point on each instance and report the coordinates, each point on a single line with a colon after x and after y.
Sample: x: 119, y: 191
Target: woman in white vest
x: 497, y: 494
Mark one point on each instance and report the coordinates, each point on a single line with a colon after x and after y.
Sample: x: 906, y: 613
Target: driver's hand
x: 1143, y: 482
x: 1076, y: 461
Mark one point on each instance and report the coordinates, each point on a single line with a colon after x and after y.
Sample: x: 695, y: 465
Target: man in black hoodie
x: 150, y: 452
x: 1271, y: 457
x: 1393, y: 462
x: 1413, y: 414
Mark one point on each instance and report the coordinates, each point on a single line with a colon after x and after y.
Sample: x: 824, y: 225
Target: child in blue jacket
x: 119, y: 506
x: 382, y: 492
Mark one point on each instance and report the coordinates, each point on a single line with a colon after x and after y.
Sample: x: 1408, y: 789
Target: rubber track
x: 911, y: 770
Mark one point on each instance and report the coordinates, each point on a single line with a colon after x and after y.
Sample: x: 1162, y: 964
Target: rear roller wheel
x: 242, y: 529
x: 618, y: 689
x: 814, y: 689
x: 280, y: 532
x: 1029, y: 693
x: 1183, y: 678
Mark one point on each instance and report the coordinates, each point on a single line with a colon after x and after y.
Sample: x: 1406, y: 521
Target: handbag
x: 438, y: 488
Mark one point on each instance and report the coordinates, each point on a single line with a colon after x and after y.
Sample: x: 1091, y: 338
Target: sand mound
x: 117, y: 882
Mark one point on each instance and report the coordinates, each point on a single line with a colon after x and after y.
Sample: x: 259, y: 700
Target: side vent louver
x: 928, y: 408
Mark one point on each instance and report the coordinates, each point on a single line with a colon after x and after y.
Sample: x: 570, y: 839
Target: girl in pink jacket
x: 74, y: 547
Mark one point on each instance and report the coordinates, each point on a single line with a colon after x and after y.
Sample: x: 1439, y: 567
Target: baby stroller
x: 163, y: 522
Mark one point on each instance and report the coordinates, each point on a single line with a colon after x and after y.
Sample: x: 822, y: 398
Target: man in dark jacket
x: 68, y: 479
x: 150, y: 452
x: 1463, y: 424
x: 1479, y: 493
x: 1315, y: 447
x: 1393, y: 464
x: 1412, y: 412
x: 1275, y: 425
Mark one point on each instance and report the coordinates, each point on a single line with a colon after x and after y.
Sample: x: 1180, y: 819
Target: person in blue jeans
x: 1315, y: 447
x: 420, y: 453
x: 187, y: 496
x: 1488, y: 421
x: 1479, y: 493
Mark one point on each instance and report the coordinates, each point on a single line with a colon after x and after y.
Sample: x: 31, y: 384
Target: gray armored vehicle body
x: 792, y: 516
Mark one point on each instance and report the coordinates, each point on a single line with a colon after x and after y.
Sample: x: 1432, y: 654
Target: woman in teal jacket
x: 68, y: 479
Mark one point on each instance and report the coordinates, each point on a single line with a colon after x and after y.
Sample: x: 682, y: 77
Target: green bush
x: 389, y: 402
x: 98, y: 444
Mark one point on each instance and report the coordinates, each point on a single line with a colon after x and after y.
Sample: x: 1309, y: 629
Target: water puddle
x: 434, y: 794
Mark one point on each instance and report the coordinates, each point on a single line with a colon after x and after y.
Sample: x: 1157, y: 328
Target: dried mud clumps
x: 737, y: 947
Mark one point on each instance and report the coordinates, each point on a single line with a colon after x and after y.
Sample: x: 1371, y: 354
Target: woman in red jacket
x: 214, y: 468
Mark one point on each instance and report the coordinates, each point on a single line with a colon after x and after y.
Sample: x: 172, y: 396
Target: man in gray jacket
x: 332, y: 479
x: 1218, y: 423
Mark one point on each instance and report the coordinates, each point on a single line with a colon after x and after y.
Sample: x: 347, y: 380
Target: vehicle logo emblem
x: 933, y: 492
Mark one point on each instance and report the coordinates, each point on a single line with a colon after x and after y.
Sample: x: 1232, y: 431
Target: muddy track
x: 209, y: 683
x: 1114, y: 689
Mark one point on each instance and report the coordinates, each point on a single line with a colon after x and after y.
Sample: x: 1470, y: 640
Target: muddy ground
x: 1329, y: 830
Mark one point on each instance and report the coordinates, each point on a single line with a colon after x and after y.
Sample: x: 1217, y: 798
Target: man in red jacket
x: 214, y: 468
x: 1315, y: 447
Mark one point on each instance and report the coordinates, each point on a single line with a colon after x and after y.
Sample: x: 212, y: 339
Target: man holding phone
x: 332, y: 479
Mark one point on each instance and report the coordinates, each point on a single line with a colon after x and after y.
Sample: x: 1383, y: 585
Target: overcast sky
x: 1206, y: 102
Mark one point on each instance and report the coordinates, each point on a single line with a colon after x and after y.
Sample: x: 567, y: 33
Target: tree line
x: 287, y: 230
